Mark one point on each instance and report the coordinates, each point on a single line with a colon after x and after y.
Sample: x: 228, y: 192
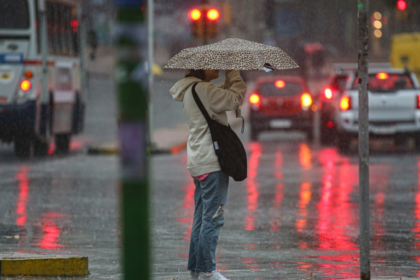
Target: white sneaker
x: 214, y: 275
x: 194, y: 275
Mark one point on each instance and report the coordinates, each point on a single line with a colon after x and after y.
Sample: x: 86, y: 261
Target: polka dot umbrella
x: 232, y: 54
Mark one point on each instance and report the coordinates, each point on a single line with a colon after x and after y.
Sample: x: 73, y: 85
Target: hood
x: 179, y: 89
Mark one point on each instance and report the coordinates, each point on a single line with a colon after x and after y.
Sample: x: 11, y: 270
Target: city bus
x: 37, y: 118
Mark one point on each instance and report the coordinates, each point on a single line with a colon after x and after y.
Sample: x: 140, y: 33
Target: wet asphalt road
x: 297, y: 213
x: 295, y: 216
x: 66, y: 204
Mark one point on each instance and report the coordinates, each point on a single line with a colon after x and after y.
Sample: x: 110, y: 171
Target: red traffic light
x: 194, y: 14
x: 213, y: 14
x: 74, y: 23
x: 401, y: 5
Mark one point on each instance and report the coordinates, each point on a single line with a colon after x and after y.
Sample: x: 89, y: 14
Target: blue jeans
x: 209, y: 195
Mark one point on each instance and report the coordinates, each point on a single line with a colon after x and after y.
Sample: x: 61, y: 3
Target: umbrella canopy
x: 232, y: 54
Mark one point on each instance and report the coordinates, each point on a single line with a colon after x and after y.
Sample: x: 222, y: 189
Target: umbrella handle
x: 268, y: 65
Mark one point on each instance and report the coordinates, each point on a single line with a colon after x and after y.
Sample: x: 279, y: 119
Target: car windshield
x: 280, y: 88
x: 384, y: 82
x: 14, y: 14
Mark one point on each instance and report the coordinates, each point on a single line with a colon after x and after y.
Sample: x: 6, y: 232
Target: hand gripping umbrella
x: 232, y: 54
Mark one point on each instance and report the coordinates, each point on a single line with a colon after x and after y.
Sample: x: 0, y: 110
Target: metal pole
x: 44, y: 48
x: 131, y: 82
x: 250, y: 15
x: 82, y: 51
x: 317, y: 123
x: 150, y: 30
x: 364, y: 219
x: 229, y: 27
x: 204, y: 20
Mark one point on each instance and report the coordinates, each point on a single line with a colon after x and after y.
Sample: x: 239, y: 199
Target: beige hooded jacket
x: 217, y: 100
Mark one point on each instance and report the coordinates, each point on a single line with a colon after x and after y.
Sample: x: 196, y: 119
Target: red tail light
x: 382, y: 76
x: 328, y: 93
x: 345, y: 103
x: 254, y: 98
x: 418, y: 101
x: 280, y: 84
x: 330, y: 124
x: 306, y: 100
x: 25, y: 85
x: 255, y: 101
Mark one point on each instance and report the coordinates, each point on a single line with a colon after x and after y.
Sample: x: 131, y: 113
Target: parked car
x: 280, y: 103
x: 394, y: 107
x: 331, y: 92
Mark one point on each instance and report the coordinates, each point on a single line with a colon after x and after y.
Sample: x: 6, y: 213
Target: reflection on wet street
x: 54, y: 206
x: 297, y: 214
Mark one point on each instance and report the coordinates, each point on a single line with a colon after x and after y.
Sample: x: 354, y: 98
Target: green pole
x: 132, y: 96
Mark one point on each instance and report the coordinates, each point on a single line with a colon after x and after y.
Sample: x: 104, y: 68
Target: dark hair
x: 196, y: 73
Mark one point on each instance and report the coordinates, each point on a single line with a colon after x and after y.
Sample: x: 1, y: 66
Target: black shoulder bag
x: 227, y: 145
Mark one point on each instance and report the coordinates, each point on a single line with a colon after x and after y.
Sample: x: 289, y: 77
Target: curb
x: 102, y: 150
x: 107, y: 150
x: 179, y: 148
x: 16, y: 264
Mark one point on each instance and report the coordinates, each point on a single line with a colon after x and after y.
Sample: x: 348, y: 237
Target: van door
x: 64, y: 97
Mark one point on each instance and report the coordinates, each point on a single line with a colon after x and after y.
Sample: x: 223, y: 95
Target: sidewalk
x: 170, y: 140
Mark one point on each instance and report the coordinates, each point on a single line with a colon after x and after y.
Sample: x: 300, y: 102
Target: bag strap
x: 200, y: 105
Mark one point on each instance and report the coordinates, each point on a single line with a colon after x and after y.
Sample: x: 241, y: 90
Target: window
x: 388, y: 83
x: 289, y: 89
x: 339, y: 82
x: 62, y: 36
x: 14, y: 14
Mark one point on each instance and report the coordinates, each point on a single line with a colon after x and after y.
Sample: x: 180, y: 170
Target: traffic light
x: 204, y: 22
x: 378, y: 22
x: 401, y: 5
x: 402, y: 10
x: 75, y: 24
x: 212, y: 22
x: 195, y: 16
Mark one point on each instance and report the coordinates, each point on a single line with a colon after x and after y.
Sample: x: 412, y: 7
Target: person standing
x: 211, y: 184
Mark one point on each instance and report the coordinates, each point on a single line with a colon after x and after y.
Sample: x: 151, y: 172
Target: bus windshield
x: 14, y: 14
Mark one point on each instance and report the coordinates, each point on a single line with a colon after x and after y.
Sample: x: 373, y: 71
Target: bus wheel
x: 23, y: 148
x: 62, y: 143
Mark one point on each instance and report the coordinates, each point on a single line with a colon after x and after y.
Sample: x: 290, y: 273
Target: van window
x: 14, y: 14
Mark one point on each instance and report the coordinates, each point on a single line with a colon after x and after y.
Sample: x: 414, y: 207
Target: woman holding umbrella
x: 211, y: 183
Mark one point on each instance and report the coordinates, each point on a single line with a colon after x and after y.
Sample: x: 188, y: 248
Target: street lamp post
x: 364, y: 219
x: 42, y: 9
